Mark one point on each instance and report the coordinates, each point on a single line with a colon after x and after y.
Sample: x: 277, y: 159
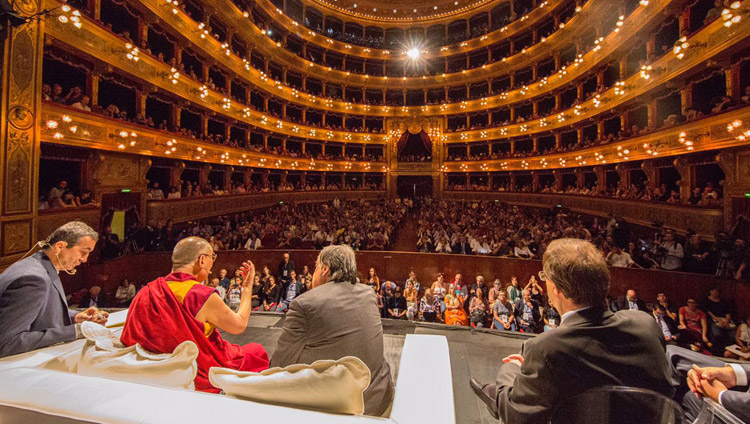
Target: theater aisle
x: 406, y: 240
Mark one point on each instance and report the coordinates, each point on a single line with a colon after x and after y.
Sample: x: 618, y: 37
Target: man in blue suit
x: 33, y: 309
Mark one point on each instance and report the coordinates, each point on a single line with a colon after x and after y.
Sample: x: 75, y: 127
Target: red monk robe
x: 162, y: 316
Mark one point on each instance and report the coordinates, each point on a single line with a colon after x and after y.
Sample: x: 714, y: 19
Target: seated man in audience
x: 631, y: 302
x: 33, y: 309
x: 696, y: 376
x: 318, y: 328
x: 176, y: 308
x: 586, y: 351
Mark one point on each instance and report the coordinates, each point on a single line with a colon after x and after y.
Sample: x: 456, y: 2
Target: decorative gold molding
x: 508, y: 31
x: 81, y: 129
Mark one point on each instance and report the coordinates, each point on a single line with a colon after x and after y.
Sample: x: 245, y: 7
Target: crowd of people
x: 63, y: 197
x: 498, y: 229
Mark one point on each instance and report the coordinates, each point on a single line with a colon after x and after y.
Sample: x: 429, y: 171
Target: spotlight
x: 413, y: 53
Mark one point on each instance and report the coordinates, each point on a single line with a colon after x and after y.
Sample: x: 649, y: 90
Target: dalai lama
x: 176, y: 308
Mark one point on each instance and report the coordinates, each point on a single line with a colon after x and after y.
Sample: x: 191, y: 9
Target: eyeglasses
x: 542, y: 276
x: 212, y: 255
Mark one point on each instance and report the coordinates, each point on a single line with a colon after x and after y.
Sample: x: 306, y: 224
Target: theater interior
x: 435, y: 138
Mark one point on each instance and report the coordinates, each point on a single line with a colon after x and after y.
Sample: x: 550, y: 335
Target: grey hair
x: 341, y: 261
x: 71, y: 233
x: 188, y: 250
x: 579, y: 271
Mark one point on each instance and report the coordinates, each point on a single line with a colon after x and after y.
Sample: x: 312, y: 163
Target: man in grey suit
x: 697, y: 375
x: 592, y: 347
x: 33, y: 309
x: 338, y: 318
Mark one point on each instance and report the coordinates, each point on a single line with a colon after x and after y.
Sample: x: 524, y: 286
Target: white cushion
x: 325, y: 385
x: 103, y: 355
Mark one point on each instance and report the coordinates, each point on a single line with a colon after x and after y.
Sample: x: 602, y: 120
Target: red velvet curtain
x: 422, y: 135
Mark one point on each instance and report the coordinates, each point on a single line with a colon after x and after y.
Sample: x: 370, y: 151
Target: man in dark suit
x: 695, y: 375
x: 338, y: 318
x: 631, y: 302
x: 94, y: 298
x: 33, y: 310
x: 592, y: 347
x: 286, y: 266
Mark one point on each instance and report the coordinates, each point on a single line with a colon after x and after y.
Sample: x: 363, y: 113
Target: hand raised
x: 247, y: 270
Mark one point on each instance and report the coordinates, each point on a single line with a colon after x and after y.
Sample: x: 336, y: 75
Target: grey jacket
x: 592, y: 348
x: 33, y: 310
x: 335, y: 320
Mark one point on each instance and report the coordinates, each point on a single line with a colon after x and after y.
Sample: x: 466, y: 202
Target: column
x: 227, y: 180
x: 601, y: 178
x: 203, y: 172
x: 684, y: 166
x: 20, y: 123
x: 558, y: 185
x: 175, y: 175
x: 652, y: 174
x: 623, y: 170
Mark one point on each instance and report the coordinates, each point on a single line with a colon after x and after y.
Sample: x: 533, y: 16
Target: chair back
x: 713, y: 413
x: 618, y: 405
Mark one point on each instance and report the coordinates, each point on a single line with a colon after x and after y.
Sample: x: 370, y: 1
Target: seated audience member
x: 620, y: 259
x: 586, y: 351
x: 550, y: 316
x: 33, y: 310
x: 719, y: 318
x: 372, y: 279
x: 631, y: 302
x: 125, y: 293
x: 224, y: 280
x: 494, y: 291
x: 695, y: 376
x: 155, y: 193
x: 478, y: 308
x: 270, y: 294
x: 177, y: 308
x: 671, y: 252
x: 317, y: 328
x: 234, y: 295
x: 219, y: 288
x: 741, y: 347
x: 693, y: 326
x: 289, y: 291
x: 412, y: 305
x: 396, y: 305
x: 671, y: 312
x: 94, y: 298
x: 667, y: 325
x: 502, y: 314
x: 527, y: 313
x: 256, y: 292
x: 454, y: 307
x: 430, y: 306
x: 514, y: 290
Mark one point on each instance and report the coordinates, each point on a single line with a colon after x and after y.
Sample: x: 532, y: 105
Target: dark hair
x: 71, y: 233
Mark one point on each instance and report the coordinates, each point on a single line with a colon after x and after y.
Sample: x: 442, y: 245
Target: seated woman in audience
x: 502, y: 313
x: 265, y: 276
x: 178, y: 308
x: 454, y: 310
x: 372, y: 279
x: 270, y: 294
x: 379, y: 301
x: 256, y: 292
x: 693, y: 325
x: 514, y: 290
x: 306, y: 279
x: 430, y: 307
x: 494, y: 291
x: 413, y: 279
x: 439, y: 290
x: 412, y: 306
x: 125, y: 293
x: 550, y: 316
x: 478, y: 308
x: 537, y: 293
x: 742, y: 342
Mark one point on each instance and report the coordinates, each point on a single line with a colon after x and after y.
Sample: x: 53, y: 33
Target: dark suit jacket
x: 102, y: 301
x: 33, y: 310
x: 335, y: 320
x: 591, y: 348
x: 623, y: 305
x: 736, y: 400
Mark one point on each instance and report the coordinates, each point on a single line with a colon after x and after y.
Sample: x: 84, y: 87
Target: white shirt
x: 621, y: 260
x: 252, y: 244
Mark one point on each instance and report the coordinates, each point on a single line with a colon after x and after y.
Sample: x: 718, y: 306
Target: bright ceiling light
x: 413, y: 53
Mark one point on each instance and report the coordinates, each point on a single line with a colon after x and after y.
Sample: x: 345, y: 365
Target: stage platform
x: 475, y: 353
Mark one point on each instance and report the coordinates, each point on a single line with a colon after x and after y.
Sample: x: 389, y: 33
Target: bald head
x: 188, y: 250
